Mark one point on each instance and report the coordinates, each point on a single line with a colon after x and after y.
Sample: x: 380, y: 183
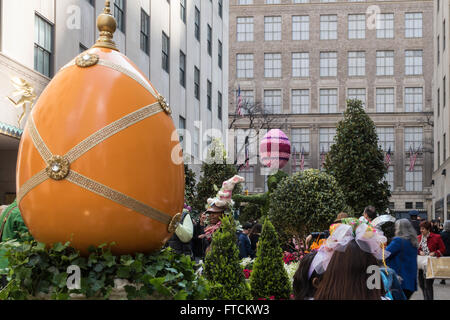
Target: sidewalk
x: 441, y: 292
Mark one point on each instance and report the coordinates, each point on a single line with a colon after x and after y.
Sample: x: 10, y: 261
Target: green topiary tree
x: 269, y: 277
x: 215, y: 171
x: 305, y: 202
x: 357, y: 162
x: 222, y: 268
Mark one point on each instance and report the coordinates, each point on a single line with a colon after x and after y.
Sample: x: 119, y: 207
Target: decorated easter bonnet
x: 367, y: 237
x: 222, y: 201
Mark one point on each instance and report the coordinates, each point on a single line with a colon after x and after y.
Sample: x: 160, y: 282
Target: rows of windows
x: 357, y: 25
x: 300, y: 99
x: 328, y: 65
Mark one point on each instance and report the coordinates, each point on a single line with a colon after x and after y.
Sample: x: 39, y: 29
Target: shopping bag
x: 438, y: 268
x: 422, y: 263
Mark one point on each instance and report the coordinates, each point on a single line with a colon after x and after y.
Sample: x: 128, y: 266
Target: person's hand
x: 433, y: 254
x: 421, y: 253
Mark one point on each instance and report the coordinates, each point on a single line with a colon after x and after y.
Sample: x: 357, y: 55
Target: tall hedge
x: 305, y: 202
x: 269, y: 277
x: 222, y: 265
x: 357, y: 161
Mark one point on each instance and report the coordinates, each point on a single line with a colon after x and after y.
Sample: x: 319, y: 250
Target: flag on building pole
x: 387, y: 160
x: 413, y: 158
x: 302, y: 160
x: 239, y: 102
x: 294, y: 159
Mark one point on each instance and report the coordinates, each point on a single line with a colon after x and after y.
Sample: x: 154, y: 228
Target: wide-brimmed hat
x: 215, y: 209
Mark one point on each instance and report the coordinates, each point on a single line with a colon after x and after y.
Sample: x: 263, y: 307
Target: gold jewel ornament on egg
x: 95, y: 161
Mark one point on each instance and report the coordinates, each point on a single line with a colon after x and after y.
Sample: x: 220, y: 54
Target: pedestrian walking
x: 403, y: 256
x: 245, y: 247
x: 430, y: 244
x: 254, y: 235
x: 445, y: 235
x: 415, y: 220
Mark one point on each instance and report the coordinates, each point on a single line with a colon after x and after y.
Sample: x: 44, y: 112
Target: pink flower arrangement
x: 247, y: 273
x: 290, y: 257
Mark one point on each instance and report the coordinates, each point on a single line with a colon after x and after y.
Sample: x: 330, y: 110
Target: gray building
x: 302, y: 59
x: 180, y: 45
x: 441, y: 102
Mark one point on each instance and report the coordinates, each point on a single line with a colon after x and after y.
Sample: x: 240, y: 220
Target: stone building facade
x: 301, y: 60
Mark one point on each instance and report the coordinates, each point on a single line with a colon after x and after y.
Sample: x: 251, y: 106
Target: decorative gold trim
x: 162, y: 101
x: 86, y: 60
x: 106, y: 25
x: 58, y: 168
x: 174, y: 223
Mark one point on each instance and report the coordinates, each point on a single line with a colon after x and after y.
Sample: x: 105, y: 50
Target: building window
x: 444, y: 92
x: 413, y: 99
x: 197, y: 83
x: 357, y: 26
x: 419, y: 205
x: 197, y: 24
x: 182, y: 69
x: 386, y: 138
x: 248, y: 100
x: 220, y: 8
x: 385, y: 63
x: 300, y: 101
x: 326, y: 139
x: 328, y: 101
x: 413, y: 25
x: 244, y: 65
x: 444, y: 145
x: 438, y: 44
x: 119, y: 14
x: 328, y: 64
x: 272, y: 65
x: 413, y: 62
x: 273, y: 1
x: 409, y: 205
x: 358, y: 94
x: 414, y: 179
x: 145, y: 32
x: 183, y: 10
x: 209, y: 95
x: 439, y: 153
x: 413, y: 138
x: 389, y: 178
x: 300, y: 27
x: 385, y: 99
x: 219, y: 54
x: 245, y: 2
x: 244, y: 28
x: 300, y: 64
x: 165, y: 53
x: 385, y: 25
x: 356, y: 63
x: 219, y: 105
x: 43, y: 44
x: 272, y: 28
x: 209, y: 40
x: 181, y: 131
x: 249, y: 175
x: 83, y: 48
x: 300, y: 140
x: 272, y: 101
x: 328, y: 27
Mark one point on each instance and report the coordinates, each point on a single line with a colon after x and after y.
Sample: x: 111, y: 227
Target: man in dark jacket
x: 245, y: 247
x: 415, y: 223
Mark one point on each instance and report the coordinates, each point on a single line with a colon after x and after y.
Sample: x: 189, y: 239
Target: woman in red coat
x: 430, y: 244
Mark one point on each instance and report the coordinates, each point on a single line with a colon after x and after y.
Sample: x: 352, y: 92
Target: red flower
x: 247, y: 273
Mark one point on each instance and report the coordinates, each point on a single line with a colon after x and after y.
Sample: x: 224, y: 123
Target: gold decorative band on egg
x: 162, y: 101
x: 174, y: 223
x: 86, y: 60
x: 58, y: 168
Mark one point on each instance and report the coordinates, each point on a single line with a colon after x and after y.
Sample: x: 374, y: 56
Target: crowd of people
x: 339, y: 269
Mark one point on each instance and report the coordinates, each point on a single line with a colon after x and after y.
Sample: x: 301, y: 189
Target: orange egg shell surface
x: 136, y: 161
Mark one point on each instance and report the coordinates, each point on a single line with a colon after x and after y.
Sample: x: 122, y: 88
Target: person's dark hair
x: 257, y: 229
x: 426, y: 225
x: 247, y: 226
x: 388, y: 229
x: 371, y: 212
x: 303, y: 285
x: 346, y: 276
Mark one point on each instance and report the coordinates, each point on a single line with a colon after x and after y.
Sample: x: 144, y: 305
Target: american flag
x: 294, y: 159
x: 413, y: 157
x: 302, y: 160
x: 239, y: 102
x: 387, y: 160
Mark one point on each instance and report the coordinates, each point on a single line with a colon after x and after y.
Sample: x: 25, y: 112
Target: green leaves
x: 36, y: 269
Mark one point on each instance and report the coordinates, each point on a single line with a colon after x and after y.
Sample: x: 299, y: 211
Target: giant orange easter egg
x: 96, y: 162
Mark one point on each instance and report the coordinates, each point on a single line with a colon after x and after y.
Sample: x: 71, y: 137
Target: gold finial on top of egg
x: 107, y: 25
